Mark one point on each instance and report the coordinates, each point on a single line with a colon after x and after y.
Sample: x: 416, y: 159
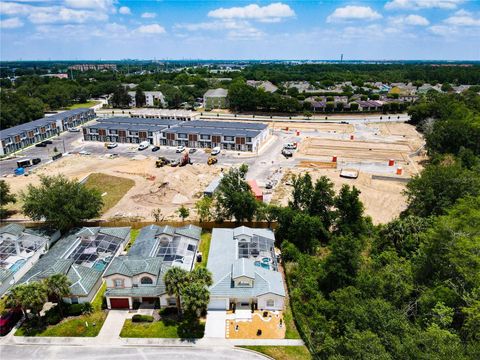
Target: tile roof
x: 217, y: 93
x: 132, y: 265
x: 13, y: 229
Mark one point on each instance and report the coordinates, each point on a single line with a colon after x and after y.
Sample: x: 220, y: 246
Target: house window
x: 172, y: 301
x: 270, y: 303
x: 146, y: 280
x: 118, y: 283
x: 74, y: 300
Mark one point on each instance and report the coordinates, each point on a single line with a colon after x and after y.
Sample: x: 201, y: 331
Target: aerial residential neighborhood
x: 290, y: 180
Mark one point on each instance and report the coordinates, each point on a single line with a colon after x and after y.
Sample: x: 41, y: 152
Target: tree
x: 349, y: 211
x: 301, y: 193
x: 5, y: 197
x: 204, y: 208
x: 58, y: 287
x: 157, y: 214
x: 201, y: 275
x: 61, y: 202
x: 120, y: 98
x: 183, y: 212
x: 322, y: 201
x: 195, y: 297
x: 175, y: 280
x: 438, y: 187
x: 140, y: 99
x: 234, y: 197
x: 31, y: 296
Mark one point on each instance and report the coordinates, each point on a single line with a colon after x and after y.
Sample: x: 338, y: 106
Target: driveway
x: 216, y: 324
x: 112, y: 326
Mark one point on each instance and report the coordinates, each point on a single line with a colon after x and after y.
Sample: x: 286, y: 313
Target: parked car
x: 74, y: 129
x: 36, y: 161
x: 290, y: 146
x: 143, y: 145
x: 112, y: 145
x: 155, y: 148
x: 84, y: 152
x: 192, y: 151
x: 42, y: 144
x: 180, y: 149
x: 8, y: 321
x: 216, y: 150
x: 287, y: 153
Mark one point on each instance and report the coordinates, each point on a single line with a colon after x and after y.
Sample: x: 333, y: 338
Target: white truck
x: 216, y: 150
x: 143, y: 145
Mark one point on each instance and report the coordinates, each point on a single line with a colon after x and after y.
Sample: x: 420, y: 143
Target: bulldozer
x: 212, y: 160
x: 161, y: 162
x: 185, y: 160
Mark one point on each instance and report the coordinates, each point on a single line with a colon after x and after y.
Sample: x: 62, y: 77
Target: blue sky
x: 196, y: 29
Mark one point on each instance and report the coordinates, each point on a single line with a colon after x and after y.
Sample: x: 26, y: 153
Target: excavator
x: 212, y: 160
x: 161, y: 162
x: 185, y: 160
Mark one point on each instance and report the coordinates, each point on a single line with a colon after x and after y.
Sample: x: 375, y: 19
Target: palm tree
x: 202, y: 276
x: 15, y: 297
x: 175, y: 279
x: 195, y: 296
x: 58, y: 287
x: 28, y: 296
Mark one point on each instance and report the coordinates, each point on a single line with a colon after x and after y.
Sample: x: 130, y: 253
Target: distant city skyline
x: 240, y: 30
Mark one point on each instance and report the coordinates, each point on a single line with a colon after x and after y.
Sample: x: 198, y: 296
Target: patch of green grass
x: 204, y: 247
x: 88, y: 104
x: 291, y: 331
x: 115, y: 188
x: 78, y: 326
x: 283, y: 352
x: 157, y: 329
x: 133, y: 236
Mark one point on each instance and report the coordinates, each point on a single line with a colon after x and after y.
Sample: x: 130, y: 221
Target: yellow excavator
x: 161, y: 162
x: 212, y: 160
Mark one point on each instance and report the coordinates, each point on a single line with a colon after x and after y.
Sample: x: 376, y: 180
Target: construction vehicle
x: 212, y: 160
x: 185, y: 160
x: 161, y: 162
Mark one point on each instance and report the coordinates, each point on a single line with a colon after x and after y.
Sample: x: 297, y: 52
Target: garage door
x: 119, y: 303
x: 218, y: 304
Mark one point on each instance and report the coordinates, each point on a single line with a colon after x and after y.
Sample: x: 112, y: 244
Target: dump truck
x: 212, y: 160
x: 161, y: 162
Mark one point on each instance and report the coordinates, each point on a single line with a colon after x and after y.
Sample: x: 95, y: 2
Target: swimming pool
x: 100, y: 265
x: 262, y: 264
x: 18, y: 264
x: 266, y: 260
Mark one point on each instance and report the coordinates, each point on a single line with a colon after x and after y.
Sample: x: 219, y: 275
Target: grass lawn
x: 115, y: 188
x: 133, y: 236
x: 165, y: 328
x: 291, y: 331
x: 83, y: 105
x: 76, y: 326
x: 204, y: 247
x: 283, y: 352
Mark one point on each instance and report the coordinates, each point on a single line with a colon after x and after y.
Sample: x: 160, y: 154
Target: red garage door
x: 119, y: 303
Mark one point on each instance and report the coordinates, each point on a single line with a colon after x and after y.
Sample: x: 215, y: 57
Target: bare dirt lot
x: 166, y: 188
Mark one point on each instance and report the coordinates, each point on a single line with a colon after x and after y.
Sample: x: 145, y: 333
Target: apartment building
x: 21, y: 136
x: 152, y: 98
x: 239, y: 136
x: 215, y: 99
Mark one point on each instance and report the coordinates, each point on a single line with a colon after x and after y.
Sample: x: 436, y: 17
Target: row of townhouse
x: 21, y: 136
x: 238, y: 136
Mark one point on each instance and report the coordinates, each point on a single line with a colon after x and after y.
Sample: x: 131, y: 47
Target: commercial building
x: 21, y: 136
x: 83, y: 256
x: 245, y: 270
x: 138, y: 276
x: 20, y: 249
x: 240, y: 136
x: 215, y: 99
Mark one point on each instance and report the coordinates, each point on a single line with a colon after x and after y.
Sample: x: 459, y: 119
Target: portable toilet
x: 19, y: 171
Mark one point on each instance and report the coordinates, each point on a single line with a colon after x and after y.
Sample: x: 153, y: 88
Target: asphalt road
x: 55, y: 352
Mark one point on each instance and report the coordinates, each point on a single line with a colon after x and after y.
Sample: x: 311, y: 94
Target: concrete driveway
x: 216, y: 324
x: 112, y: 326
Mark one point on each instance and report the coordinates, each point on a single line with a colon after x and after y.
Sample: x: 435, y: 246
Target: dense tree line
x: 408, y: 289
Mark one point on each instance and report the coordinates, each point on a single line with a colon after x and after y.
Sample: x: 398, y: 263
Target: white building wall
x: 262, y: 302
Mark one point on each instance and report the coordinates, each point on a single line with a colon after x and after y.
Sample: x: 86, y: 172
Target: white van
x: 143, y: 145
x: 216, y: 150
x: 290, y: 146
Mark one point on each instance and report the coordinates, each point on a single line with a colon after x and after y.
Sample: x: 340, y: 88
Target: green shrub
x: 142, y: 318
x: 87, y: 308
x: 75, y: 310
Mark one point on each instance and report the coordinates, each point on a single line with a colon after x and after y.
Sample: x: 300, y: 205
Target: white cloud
x: 148, y: 15
x: 352, y: 12
x: 101, y: 5
x: 151, y: 29
x: 124, y: 10
x: 46, y: 15
x: 443, y: 30
x: 269, y: 13
x: 11, y: 8
x: 415, y: 20
x: 422, y: 4
x: 463, y: 18
x: 11, y: 23
x: 233, y: 29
